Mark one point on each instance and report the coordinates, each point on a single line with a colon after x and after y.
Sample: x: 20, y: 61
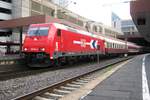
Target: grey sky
x: 100, y: 10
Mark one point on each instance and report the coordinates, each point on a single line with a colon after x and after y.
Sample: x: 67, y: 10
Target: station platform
x: 130, y: 82
x: 10, y: 57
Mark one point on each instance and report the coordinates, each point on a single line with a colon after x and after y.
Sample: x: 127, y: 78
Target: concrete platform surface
x: 128, y: 83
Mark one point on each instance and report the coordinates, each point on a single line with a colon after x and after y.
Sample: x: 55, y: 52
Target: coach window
x: 108, y: 45
x: 59, y: 32
x: 123, y: 46
x: 113, y: 45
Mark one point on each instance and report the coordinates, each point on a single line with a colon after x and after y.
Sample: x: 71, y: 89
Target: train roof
x: 100, y: 36
x: 83, y: 32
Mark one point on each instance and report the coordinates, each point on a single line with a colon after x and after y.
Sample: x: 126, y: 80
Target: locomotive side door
x: 58, y: 43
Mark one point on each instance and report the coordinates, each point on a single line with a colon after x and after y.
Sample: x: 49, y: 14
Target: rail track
x: 14, y: 71
x: 62, y: 88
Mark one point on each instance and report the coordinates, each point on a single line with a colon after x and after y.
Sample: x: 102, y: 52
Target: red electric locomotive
x: 50, y: 43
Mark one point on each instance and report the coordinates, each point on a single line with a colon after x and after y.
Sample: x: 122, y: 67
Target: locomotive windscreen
x: 38, y: 31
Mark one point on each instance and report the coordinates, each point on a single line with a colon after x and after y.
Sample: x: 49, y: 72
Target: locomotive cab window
x: 59, y: 32
x: 38, y: 31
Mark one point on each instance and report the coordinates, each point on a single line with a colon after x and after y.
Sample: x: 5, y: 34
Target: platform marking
x: 82, y: 97
x: 145, y: 88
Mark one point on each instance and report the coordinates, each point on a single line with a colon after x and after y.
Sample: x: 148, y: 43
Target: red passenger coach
x: 46, y: 44
x: 115, y: 46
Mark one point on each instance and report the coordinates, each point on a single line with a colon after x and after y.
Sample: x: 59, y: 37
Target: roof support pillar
x: 21, y: 31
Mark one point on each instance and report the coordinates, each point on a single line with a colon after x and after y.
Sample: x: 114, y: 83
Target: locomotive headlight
x: 25, y: 49
x: 42, y: 49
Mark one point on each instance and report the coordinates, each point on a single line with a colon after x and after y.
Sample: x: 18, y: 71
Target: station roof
x: 25, y: 21
x: 19, y: 22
